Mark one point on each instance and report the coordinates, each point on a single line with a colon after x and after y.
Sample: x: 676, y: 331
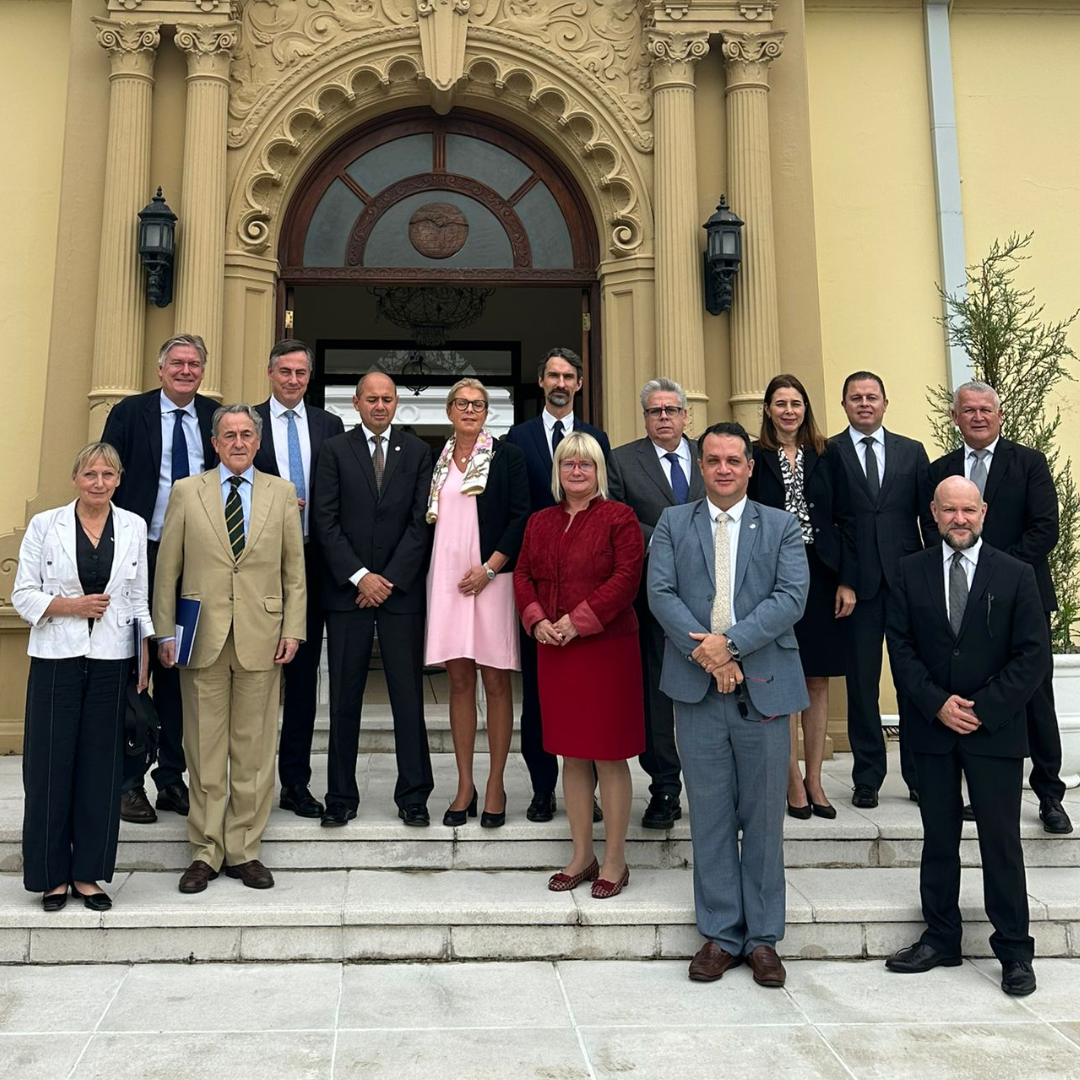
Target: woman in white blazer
x: 82, y: 587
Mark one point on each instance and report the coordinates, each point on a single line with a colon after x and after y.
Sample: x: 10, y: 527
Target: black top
x: 94, y: 563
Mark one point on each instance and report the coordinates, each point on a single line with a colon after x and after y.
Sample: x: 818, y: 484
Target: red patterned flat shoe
x: 604, y: 890
x: 565, y: 882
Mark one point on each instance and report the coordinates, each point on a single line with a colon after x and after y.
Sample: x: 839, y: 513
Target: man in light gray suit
x: 649, y: 475
x: 727, y: 581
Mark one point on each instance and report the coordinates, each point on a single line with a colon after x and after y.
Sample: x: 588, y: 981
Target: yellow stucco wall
x: 33, y: 87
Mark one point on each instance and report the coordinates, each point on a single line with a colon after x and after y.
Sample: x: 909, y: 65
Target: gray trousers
x: 735, y: 771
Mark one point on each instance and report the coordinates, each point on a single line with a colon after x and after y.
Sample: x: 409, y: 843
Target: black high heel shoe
x: 458, y: 817
x: 494, y: 821
x: 822, y: 810
x: 54, y: 901
x: 98, y: 901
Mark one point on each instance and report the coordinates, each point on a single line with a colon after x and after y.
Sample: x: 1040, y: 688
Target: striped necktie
x: 234, y: 517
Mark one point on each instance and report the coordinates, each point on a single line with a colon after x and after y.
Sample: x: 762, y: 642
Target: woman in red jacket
x: 575, y: 583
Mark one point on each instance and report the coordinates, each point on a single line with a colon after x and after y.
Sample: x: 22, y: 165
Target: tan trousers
x: 230, y: 738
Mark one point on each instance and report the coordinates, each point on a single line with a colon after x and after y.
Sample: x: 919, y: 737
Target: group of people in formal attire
x: 684, y: 603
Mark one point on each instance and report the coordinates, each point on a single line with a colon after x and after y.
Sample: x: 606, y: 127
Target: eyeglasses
x: 664, y: 410
x: 570, y: 464
x: 464, y: 405
x: 179, y: 365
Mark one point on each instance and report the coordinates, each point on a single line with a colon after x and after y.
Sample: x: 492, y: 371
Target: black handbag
x: 141, y: 727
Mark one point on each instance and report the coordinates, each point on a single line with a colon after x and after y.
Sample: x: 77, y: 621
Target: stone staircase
x: 376, y: 890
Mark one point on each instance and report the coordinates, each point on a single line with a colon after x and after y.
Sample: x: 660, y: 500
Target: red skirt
x: 591, y: 698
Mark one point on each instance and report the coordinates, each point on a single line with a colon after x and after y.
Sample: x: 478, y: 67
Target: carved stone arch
x: 355, y: 81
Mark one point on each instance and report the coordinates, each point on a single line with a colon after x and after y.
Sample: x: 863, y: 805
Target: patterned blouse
x: 795, y: 492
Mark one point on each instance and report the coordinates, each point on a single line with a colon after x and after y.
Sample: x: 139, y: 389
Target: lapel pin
x: 753, y: 525
x: 396, y: 448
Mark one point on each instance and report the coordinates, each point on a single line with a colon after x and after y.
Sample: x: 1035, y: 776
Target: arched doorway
x: 465, y: 204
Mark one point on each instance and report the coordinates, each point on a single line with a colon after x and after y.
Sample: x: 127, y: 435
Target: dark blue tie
x: 180, y: 466
x: 556, y: 436
x: 679, y: 486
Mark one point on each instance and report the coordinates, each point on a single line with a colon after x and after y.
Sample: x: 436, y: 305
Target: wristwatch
x: 734, y: 650
x: 487, y: 570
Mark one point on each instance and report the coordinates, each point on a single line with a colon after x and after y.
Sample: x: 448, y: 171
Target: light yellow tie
x: 721, y: 609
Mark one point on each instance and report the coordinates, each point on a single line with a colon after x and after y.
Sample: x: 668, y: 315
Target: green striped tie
x: 234, y: 517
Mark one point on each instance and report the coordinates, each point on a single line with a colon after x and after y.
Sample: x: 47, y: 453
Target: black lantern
x: 157, y: 233
x: 723, y: 254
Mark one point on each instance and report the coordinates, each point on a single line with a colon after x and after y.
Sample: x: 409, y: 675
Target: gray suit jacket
x: 636, y: 477
x: 771, y: 582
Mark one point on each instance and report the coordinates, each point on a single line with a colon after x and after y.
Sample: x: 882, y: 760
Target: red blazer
x: 591, y: 571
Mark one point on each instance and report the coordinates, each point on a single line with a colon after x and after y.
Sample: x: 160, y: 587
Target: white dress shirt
x: 244, y: 490
x: 733, y: 525
x: 969, y: 562
x: 879, y: 449
x: 193, y: 437
x: 549, y: 426
x: 370, y: 437
x: 281, y: 448
x: 683, y: 450
x: 969, y: 461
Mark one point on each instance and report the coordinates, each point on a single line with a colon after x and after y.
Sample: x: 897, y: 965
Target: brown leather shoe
x: 253, y: 874
x: 710, y: 962
x: 766, y: 966
x: 135, y: 807
x: 196, y: 877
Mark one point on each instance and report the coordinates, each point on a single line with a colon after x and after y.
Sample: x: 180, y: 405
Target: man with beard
x: 559, y: 375
x: 968, y: 646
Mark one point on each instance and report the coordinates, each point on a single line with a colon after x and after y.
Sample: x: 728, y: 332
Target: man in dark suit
x: 650, y: 475
x: 890, y: 494
x: 162, y: 436
x: 369, y: 500
x: 968, y: 646
x: 293, y: 435
x: 559, y: 375
x: 1022, y: 521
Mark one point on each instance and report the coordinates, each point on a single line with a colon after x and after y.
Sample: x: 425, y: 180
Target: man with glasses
x: 650, y: 475
x: 560, y: 376
x: 162, y: 436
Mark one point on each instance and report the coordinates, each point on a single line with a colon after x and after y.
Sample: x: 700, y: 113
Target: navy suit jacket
x: 532, y: 438
x: 134, y: 428
x: 322, y: 425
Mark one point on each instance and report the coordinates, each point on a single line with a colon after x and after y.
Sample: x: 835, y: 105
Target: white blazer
x: 48, y: 568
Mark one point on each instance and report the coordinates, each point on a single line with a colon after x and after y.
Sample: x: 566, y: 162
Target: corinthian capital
x: 208, y: 46
x: 132, y: 46
x: 674, y: 55
x: 747, y: 56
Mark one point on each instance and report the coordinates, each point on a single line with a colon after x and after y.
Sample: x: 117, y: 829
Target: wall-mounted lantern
x: 157, y: 236
x: 723, y: 254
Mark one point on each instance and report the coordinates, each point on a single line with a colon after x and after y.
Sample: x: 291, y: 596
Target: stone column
x: 201, y: 229
x: 755, y: 328
x: 121, y: 296
x: 680, y: 347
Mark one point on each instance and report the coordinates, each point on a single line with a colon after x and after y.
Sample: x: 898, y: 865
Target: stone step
x: 377, y: 729
x: 508, y: 915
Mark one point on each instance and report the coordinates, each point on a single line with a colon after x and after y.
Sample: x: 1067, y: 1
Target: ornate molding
x: 209, y: 47
x: 747, y: 56
x: 132, y: 46
x: 674, y: 53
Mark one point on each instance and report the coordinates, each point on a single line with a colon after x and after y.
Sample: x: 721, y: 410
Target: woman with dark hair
x: 793, y: 471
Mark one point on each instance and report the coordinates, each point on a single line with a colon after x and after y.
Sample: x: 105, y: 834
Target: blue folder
x: 187, y: 623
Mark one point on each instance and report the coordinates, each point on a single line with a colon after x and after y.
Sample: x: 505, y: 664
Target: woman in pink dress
x: 479, y: 504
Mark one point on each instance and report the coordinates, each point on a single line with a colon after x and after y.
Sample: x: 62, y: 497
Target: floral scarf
x: 476, y: 471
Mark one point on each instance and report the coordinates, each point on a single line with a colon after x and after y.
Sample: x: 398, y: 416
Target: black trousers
x: 543, y: 767
x: 165, y: 683
x: 302, y: 686
x: 661, y: 757
x: 73, y: 753
x: 867, y: 641
x: 1044, y: 738
x: 994, y: 786
x: 350, y: 636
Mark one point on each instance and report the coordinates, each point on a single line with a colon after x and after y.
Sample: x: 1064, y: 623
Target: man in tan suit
x: 232, y: 540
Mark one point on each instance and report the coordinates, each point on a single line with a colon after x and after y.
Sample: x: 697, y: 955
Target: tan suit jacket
x: 261, y: 596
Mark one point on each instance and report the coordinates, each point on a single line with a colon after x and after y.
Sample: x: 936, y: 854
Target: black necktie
x: 234, y: 517
x: 556, y: 436
x: 180, y: 466
x: 873, y: 480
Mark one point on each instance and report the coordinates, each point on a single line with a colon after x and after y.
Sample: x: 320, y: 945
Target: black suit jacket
x: 828, y: 499
x: 322, y: 425
x: 357, y: 525
x: 888, y: 529
x: 134, y: 428
x: 998, y: 659
x: 1022, y: 507
x: 532, y: 439
x: 503, y: 508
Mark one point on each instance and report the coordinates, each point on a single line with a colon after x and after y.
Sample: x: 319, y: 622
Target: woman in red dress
x: 575, y: 583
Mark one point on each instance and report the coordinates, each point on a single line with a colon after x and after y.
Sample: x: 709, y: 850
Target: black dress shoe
x: 454, y: 817
x: 920, y: 957
x: 969, y: 812
x: 489, y: 820
x: 98, y: 901
x: 336, y: 814
x: 1054, y: 819
x: 300, y: 801
x: 54, y: 901
x: 801, y: 812
x: 864, y: 797
x: 173, y: 797
x: 542, y: 807
x: 1017, y: 977
x: 135, y: 807
x: 414, y: 814
x: 913, y: 795
x: 823, y: 810
x: 662, y: 812
x: 597, y: 813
